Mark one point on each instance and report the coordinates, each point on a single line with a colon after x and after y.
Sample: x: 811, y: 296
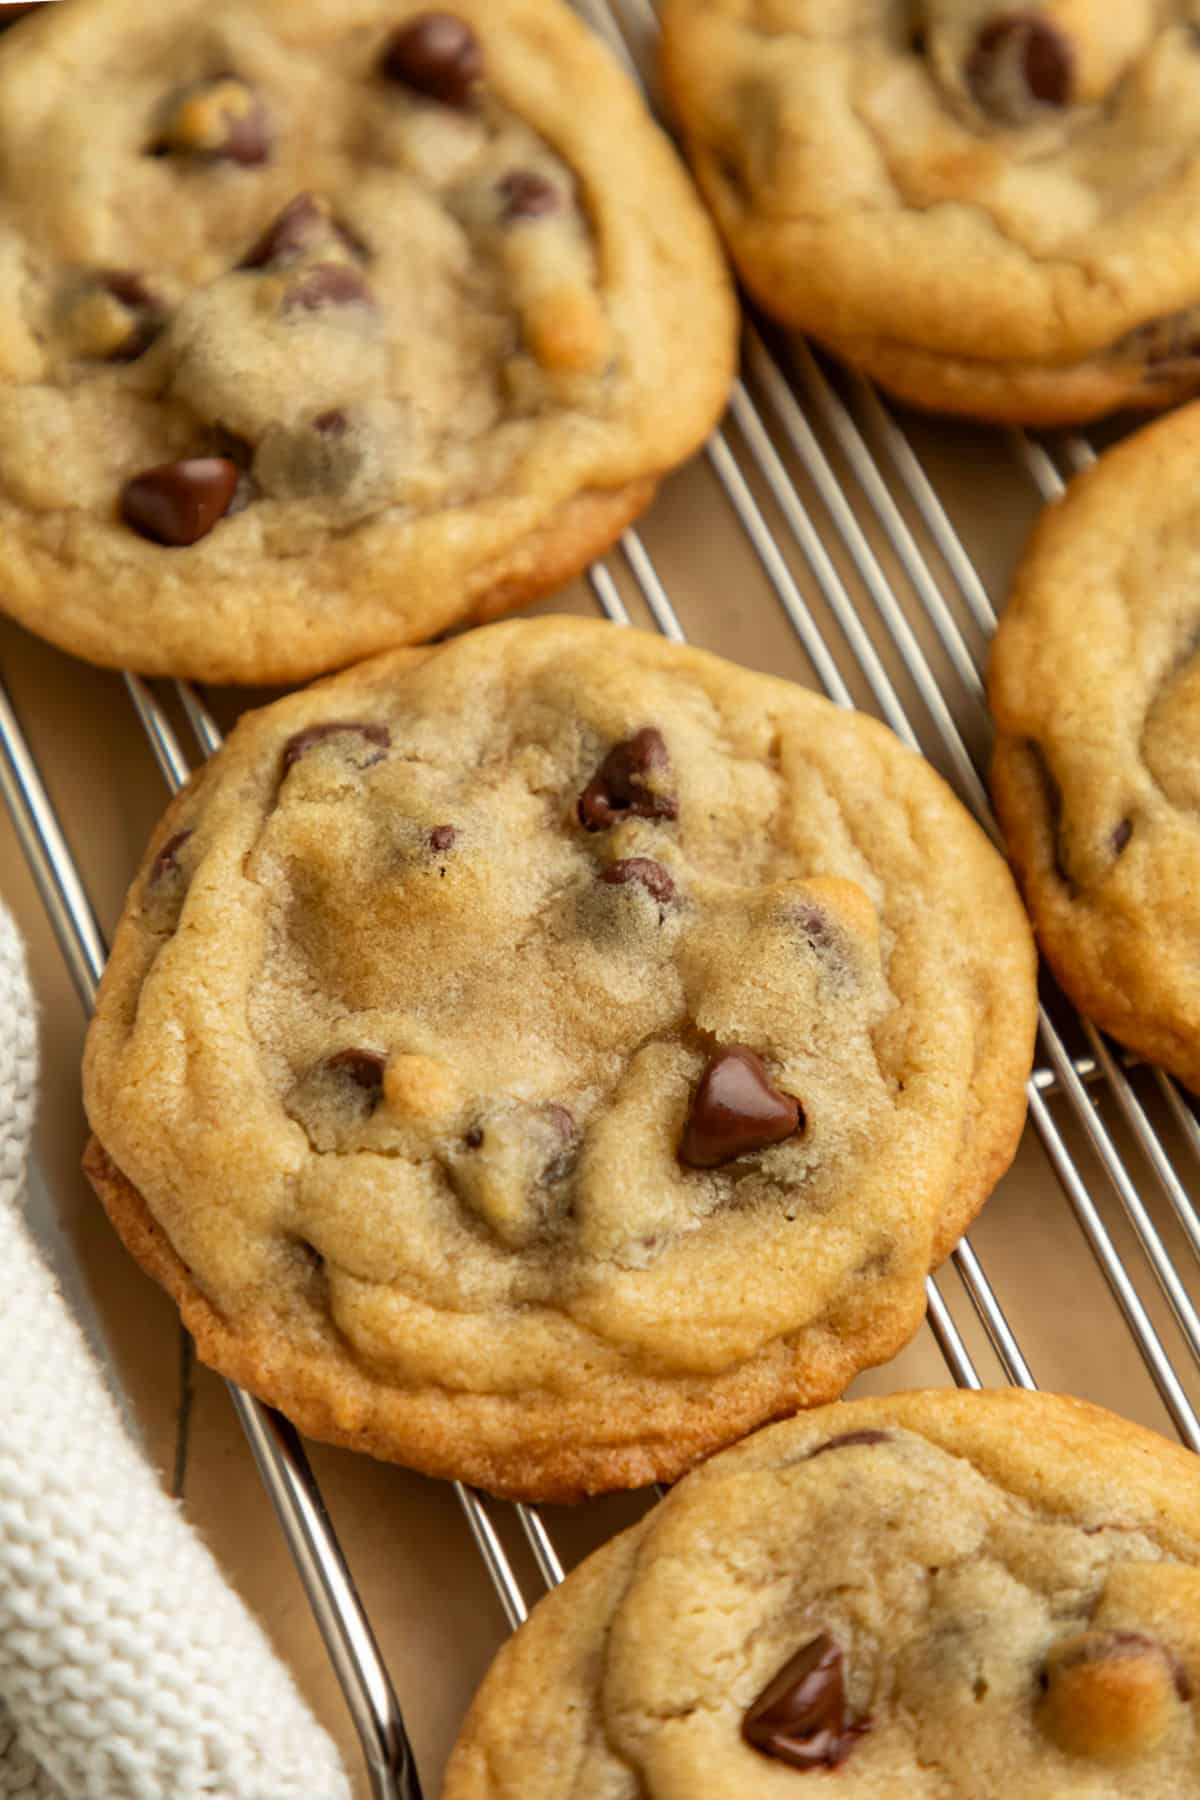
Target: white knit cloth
x: 128, y: 1669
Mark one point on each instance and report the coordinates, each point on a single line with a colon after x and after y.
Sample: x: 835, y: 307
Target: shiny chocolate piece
x: 176, y: 504
x: 527, y: 195
x: 436, y: 54
x: 626, y: 784
x: 442, y: 837
x: 800, y: 1717
x: 306, y: 740
x: 642, y: 871
x: 167, y: 861
x: 363, y: 1067
x: 849, y: 1438
x: 329, y: 284
x: 1017, y: 61
x: 736, y: 1109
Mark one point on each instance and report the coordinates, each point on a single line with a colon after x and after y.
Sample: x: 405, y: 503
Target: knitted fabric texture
x: 129, y: 1670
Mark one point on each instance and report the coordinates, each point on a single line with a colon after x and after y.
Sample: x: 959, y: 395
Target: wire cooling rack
x: 837, y: 509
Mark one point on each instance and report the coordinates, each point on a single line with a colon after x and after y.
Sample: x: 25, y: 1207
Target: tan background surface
x: 407, y: 1544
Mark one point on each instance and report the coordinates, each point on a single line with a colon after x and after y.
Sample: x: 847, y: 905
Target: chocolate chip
x: 178, y: 503
x: 329, y: 284
x: 527, y: 195
x: 800, y: 1717
x: 1017, y: 60
x: 736, y: 1109
x: 145, y: 307
x: 643, y: 872
x: 304, y: 224
x: 1121, y: 836
x: 624, y: 783
x: 436, y: 54
x: 221, y: 119
x: 305, y: 740
x: 848, y: 1438
x: 331, y: 424
x: 474, y: 1137
x: 1052, y: 795
x: 363, y: 1067
x: 167, y: 861
x: 442, y: 837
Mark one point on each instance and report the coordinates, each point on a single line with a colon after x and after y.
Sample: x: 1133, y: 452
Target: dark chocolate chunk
x: 736, y: 1109
x: 178, y: 503
x: 1121, y: 836
x: 442, y: 837
x: 329, y: 284
x: 527, y: 195
x: 304, y: 741
x: 436, y: 54
x: 848, y: 1438
x: 363, y: 1067
x: 474, y: 1137
x: 1017, y: 60
x: 800, y: 1717
x: 304, y: 224
x: 167, y: 861
x: 642, y: 871
x: 625, y: 783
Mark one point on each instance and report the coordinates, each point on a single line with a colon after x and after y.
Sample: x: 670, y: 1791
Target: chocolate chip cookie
x: 935, y: 1595
x: 541, y: 1058
x: 326, y: 325
x: 993, y: 209
x: 1095, y: 685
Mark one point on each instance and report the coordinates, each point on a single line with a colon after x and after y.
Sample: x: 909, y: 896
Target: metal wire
x: 769, y: 424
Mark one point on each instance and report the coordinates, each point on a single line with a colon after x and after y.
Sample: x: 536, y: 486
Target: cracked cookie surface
x: 326, y: 326
x: 992, y: 209
x: 542, y: 1057
x: 1095, y: 687
x: 945, y: 1596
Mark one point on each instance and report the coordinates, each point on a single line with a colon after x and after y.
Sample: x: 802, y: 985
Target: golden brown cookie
x: 326, y: 325
x: 1095, y: 686
x: 942, y: 1596
x: 542, y: 1058
x: 992, y: 209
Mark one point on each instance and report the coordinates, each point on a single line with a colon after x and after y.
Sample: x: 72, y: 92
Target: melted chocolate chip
x: 436, y: 54
x: 848, y: 1438
x: 363, y: 1067
x: 329, y: 284
x: 736, y: 1109
x: 474, y: 1137
x: 1017, y: 60
x: 800, y: 1717
x: 643, y: 872
x: 527, y: 195
x: 331, y: 424
x: 1121, y: 836
x: 178, y: 503
x: 167, y: 861
x: 623, y: 783
x: 442, y: 837
x: 305, y: 740
x: 303, y: 225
